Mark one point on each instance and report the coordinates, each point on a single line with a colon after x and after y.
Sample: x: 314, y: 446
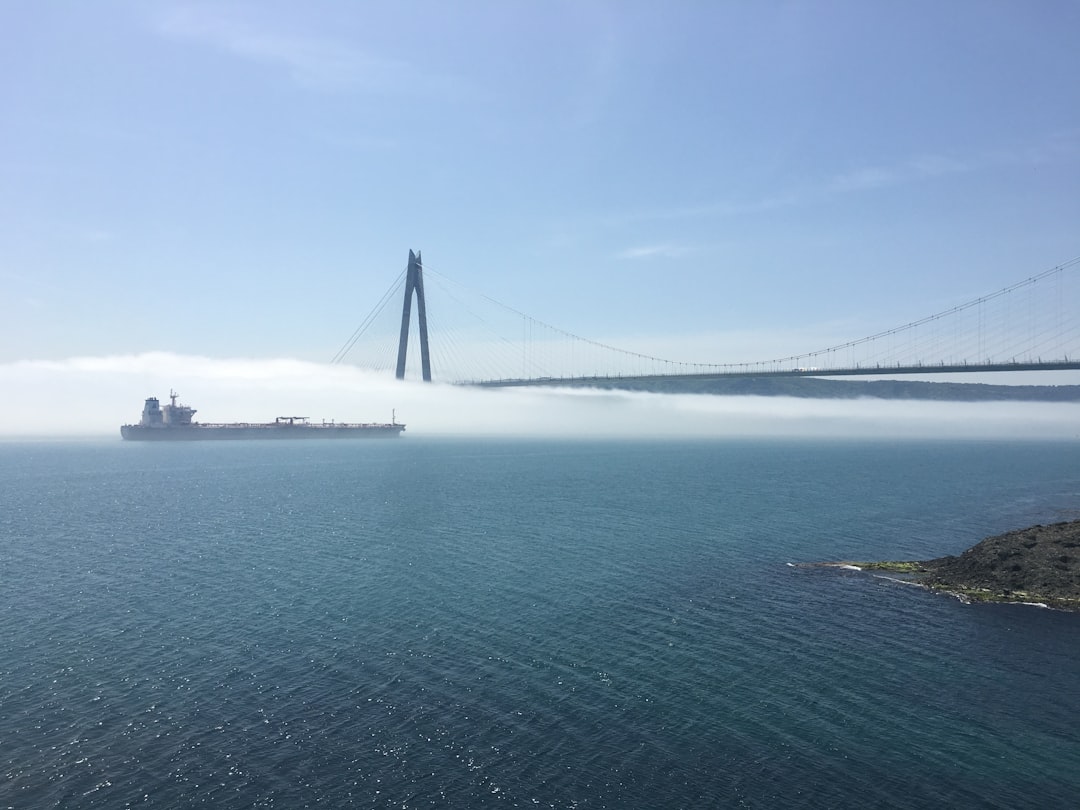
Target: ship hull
x: 272, y: 431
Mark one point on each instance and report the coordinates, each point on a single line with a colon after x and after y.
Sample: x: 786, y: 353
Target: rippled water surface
x: 524, y: 624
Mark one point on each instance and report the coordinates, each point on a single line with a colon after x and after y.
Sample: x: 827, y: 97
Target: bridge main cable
x: 773, y: 366
x: 555, y: 329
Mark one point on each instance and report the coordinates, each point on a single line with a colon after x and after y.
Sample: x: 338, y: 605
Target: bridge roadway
x: 885, y: 371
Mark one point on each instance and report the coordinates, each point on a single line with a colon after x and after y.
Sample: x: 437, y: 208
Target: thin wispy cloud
x: 316, y: 62
x: 654, y: 252
x: 924, y: 167
x: 938, y: 165
x: 919, y: 168
x: 863, y: 179
x: 710, y: 210
x: 1061, y: 146
x: 1055, y: 147
x: 95, y: 235
x: 915, y: 169
x: 350, y: 141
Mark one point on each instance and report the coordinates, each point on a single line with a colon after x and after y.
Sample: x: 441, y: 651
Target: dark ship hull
x: 271, y: 430
x: 173, y: 423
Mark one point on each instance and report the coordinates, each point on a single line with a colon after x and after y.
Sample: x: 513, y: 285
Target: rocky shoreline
x: 1038, y: 565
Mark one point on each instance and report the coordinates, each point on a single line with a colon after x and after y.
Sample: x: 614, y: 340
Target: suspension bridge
x: 467, y: 338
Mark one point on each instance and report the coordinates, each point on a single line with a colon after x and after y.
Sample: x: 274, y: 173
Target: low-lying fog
x: 93, y: 396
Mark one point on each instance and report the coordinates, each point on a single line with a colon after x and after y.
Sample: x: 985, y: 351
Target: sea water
x: 458, y: 623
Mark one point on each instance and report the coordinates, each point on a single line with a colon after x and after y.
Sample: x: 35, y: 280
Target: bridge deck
x: 963, y: 368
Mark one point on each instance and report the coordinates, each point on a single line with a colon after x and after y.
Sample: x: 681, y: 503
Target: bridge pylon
x: 414, y: 281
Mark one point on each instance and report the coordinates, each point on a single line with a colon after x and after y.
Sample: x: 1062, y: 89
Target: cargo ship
x: 173, y: 422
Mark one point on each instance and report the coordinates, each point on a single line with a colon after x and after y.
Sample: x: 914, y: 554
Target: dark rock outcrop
x: 1040, y: 564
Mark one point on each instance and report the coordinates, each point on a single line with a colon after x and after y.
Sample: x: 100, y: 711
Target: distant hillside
x: 812, y: 388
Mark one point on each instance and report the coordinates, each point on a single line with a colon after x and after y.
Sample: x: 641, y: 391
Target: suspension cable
x: 371, y: 316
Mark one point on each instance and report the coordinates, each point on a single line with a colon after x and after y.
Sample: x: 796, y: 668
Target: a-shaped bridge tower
x: 414, y: 281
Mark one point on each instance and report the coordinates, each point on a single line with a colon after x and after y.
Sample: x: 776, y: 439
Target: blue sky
x: 728, y: 180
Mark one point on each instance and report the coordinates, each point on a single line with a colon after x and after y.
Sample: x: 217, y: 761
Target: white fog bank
x: 93, y: 396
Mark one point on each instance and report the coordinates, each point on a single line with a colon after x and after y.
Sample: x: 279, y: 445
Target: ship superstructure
x: 173, y: 422
x: 172, y: 415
